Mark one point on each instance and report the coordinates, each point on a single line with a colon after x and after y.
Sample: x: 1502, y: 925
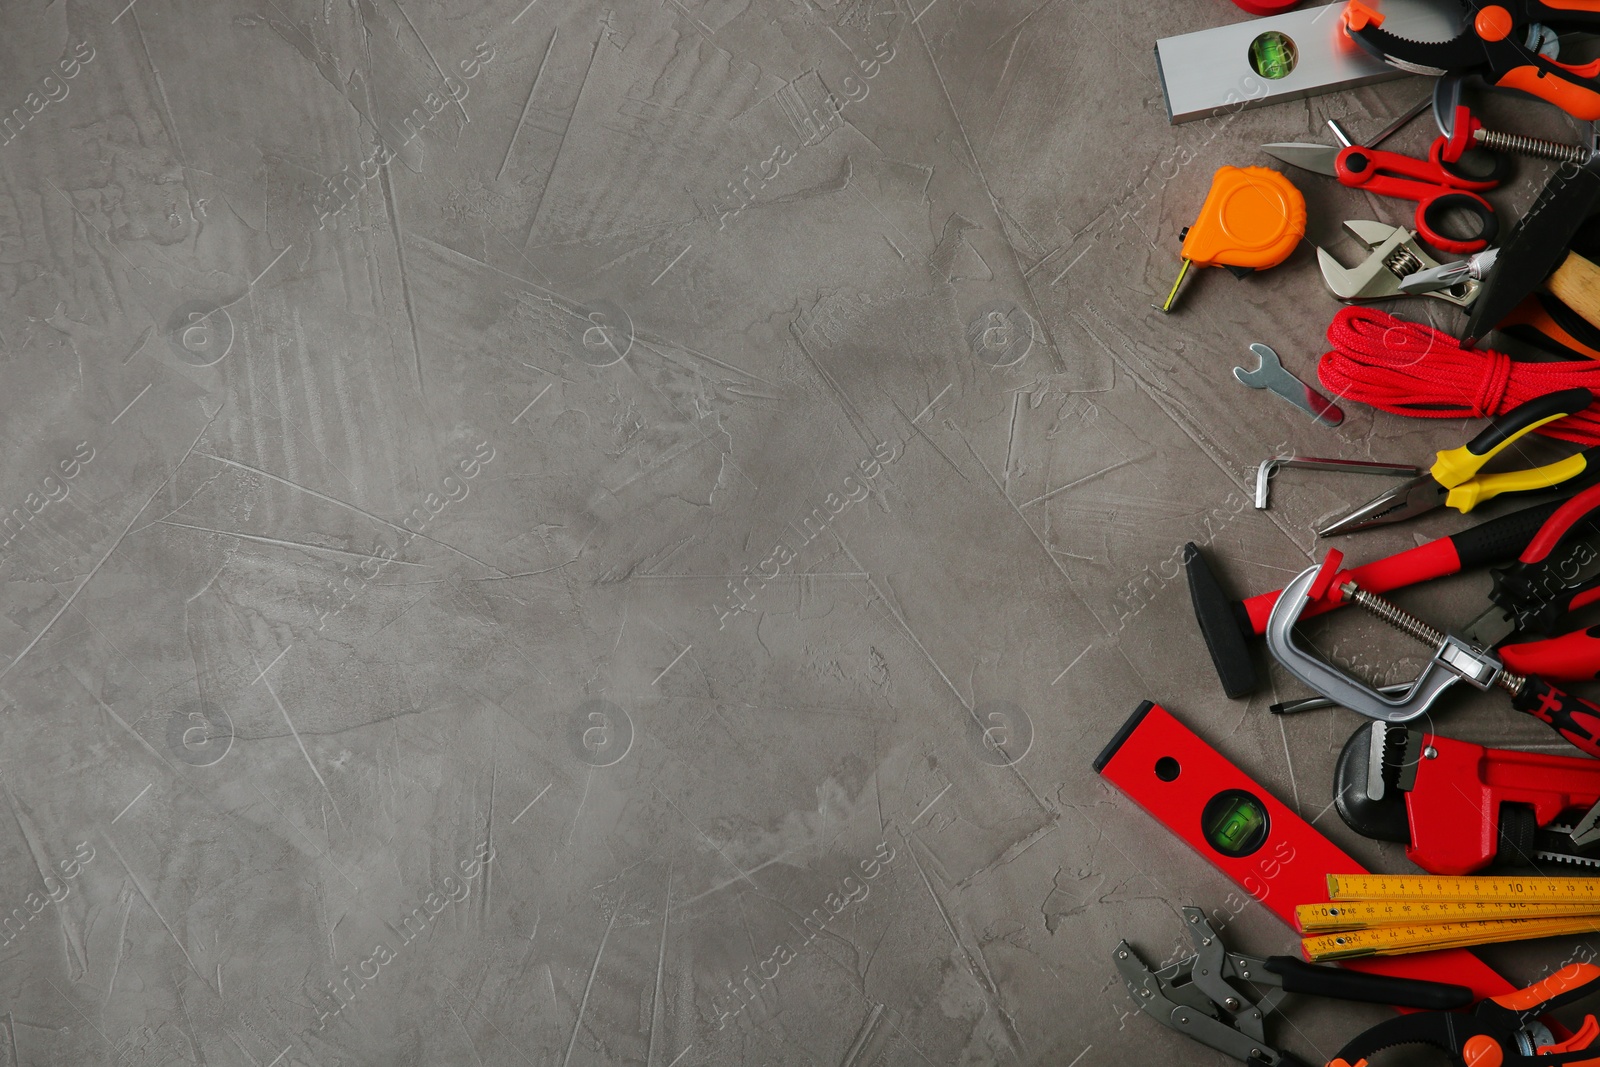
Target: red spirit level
x: 1273, y: 854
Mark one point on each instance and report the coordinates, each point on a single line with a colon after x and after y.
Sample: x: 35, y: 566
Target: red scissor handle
x: 1435, y: 190
x: 1386, y: 174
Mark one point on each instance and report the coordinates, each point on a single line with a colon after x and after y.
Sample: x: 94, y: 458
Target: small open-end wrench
x: 1271, y: 375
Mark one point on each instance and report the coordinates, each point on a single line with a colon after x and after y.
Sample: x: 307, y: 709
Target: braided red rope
x: 1410, y: 369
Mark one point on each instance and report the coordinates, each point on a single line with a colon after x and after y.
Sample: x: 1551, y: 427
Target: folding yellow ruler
x: 1391, y: 915
x: 1468, y: 888
x: 1366, y: 914
x: 1426, y: 937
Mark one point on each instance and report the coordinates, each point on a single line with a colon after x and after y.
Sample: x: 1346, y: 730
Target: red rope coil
x: 1408, y: 368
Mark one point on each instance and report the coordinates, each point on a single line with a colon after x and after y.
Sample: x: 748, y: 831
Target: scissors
x: 1454, y: 480
x: 1436, y: 184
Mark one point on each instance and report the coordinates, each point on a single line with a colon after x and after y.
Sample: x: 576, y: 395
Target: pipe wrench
x: 1460, y: 807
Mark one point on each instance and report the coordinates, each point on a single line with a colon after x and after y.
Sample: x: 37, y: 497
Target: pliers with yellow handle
x: 1454, y: 481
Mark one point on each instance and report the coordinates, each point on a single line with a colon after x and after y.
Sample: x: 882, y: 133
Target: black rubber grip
x: 1489, y: 166
x: 1227, y: 639
x: 1302, y: 977
x: 1519, y: 418
x: 1503, y: 538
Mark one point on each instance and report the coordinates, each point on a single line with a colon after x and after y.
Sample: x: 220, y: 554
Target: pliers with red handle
x: 1501, y: 1031
x: 1557, y: 573
x: 1228, y: 624
x: 1495, y: 43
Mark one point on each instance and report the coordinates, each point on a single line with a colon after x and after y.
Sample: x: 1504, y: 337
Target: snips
x: 1501, y: 1031
x: 1196, y: 996
x: 1454, y: 481
x: 1557, y: 573
x: 1438, y: 187
x: 1510, y: 43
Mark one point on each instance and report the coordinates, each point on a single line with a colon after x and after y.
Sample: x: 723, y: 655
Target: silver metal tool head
x: 1446, y: 98
x: 1454, y: 660
x: 1194, y: 997
x: 1586, y: 831
x: 1395, y: 255
x: 1270, y: 373
x: 1396, y: 504
x: 1447, y: 277
x: 1314, y: 157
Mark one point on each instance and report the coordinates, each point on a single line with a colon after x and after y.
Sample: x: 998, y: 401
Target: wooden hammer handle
x: 1576, y: 283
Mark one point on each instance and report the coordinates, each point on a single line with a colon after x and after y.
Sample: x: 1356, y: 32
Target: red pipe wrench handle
x: 1572, y: 657
x: 1572, y: 717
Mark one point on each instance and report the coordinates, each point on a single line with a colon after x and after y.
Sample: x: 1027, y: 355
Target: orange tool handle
x: 1579, y: 101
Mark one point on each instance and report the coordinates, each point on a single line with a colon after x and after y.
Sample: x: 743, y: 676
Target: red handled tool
x: 1228, y: 624
x: 1436, y: 186
x: 1454, y: 660
x: 1272, y: 853
x: 1500, y: 1031
x: 1559, y: 572
x: 1460, y: 807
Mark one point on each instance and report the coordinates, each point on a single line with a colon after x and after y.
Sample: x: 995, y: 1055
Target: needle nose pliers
x: 1454, y: 480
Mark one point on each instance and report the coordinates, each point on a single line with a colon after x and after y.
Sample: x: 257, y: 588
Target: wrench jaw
x: 1395, y: 254
x: 1455, y: 660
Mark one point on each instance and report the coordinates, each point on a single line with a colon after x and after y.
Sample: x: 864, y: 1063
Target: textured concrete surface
x: 523, y: 517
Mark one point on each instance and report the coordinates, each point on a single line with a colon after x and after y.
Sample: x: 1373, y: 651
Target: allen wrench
x: 1311, y: 463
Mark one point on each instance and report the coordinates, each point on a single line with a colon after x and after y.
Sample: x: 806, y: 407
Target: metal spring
x: 1397, y: 617
x: 1412, y: 626
x: 1402, y: 261
x: 1531, y: 146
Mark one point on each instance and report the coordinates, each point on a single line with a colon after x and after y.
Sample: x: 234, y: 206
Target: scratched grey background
x: 517, y: 485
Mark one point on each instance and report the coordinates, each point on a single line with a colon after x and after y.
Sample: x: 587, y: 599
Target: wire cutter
x: 1436, y: 186
x: 1510, y: 43
x: 1454, y: 481
x: 1196, y: 996
x: 1501, y: 1031
x: 1557, y: 573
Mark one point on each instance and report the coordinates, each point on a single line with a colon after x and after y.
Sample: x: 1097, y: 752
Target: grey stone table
x: 546, y: 533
